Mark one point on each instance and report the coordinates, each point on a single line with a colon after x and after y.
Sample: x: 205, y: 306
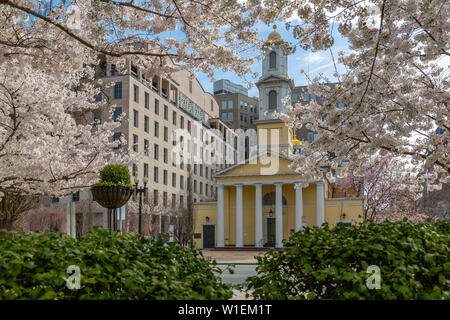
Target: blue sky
x: 313, y: 63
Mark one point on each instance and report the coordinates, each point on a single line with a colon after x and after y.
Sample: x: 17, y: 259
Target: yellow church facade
x: 260, y: 202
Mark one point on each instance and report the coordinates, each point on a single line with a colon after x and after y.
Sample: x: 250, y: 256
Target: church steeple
x: 274, y: 83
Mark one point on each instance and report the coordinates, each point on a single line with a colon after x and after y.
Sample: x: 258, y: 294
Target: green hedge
x: 324, y: 263
x: 113, y: 266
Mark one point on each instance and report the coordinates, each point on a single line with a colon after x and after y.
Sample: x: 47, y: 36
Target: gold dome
x: 274, y: 36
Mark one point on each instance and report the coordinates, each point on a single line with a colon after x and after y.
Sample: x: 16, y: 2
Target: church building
x: 262, y: 200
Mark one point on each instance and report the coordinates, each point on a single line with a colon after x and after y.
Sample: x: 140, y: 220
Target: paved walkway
x: 225, y: 256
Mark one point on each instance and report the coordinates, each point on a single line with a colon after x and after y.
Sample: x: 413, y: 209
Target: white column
x: 320, y: 205
x: 220, y: 218
x: 298, y: 206
x: 258, y: 216
x: 239, y: 219
x: 279, y: 215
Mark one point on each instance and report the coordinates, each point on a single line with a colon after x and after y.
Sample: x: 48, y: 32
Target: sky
x: 313, y: 63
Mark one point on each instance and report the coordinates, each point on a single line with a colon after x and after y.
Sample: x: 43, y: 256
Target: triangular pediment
x: 265, y: 164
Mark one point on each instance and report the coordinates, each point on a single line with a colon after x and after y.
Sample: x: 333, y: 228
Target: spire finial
x: 274, y: 27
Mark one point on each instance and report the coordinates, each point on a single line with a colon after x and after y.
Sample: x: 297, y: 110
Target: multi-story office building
x: 224, y: 86
x: 238, y: 110
x: 176, y: 124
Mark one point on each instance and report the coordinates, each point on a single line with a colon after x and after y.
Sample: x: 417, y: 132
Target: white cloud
x: 321, y: 67
x: 312, y: 57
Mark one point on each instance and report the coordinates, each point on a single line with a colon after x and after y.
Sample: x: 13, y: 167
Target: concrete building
x: 176, y: 124
x: 261, y: 201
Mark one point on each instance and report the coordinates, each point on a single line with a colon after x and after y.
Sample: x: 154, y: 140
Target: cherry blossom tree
x: 48, y: 54
x: 393, y: 99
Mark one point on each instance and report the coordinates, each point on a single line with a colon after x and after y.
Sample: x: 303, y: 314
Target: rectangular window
x: 136, y: 93
x: 181, y: 122
x: 155, y: 197
x: 181, y: 182
x: 206, y: 189
x: 201, y: 170
x: 174, y: 179
x: 155, y: 174
x: 224, y: 105
x: 224, y: 116
x: 173, y: 159
x: 156, y: 106
x: 135, y: 143
x: 166, y: 156
x: 156, y: 151
x: 201, y: 187
x: 181, y: 201
x: 135, y: 118
x: 195, y: 168
x: 146, y: 100
x: 146, y: 145
x: 174, y: 118
x: 156, y: 129
x: 113, y: 70
x: 135, y: 170
x: 146, y: 170
x: 76, y: 196
x: 165, y: 199
x: 189, y: 126
x: 165, y: 177
x: 116, y: 137
x: 117, y: 114
x: 166, y: 112
x: 134, y: 71
x: 118, y: 90
x: 230, y: 104
x: 146, y: 124
x: 230, y: 116
x: 310, y: 136
x: 206, y: 172
x: 174, y: 200
x: 166, y: 134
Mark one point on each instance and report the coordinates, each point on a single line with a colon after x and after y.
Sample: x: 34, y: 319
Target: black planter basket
x: 112, y: 197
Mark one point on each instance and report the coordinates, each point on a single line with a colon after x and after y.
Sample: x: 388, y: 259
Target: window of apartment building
x: 135, y: 170
x: 252, y: 120
x: 166, y: 134
x: 242, y: 116
x: 201, y: 170
x: 134, y: 71
x: 230, y: 116
x: 174, y: 200
x: 165, y: 199
x: 174, y: 179
x: 310, y: 136
x: 206, y: 189
x: 98, y: 97
x: 174, y: 118
x: 181, y: 162
x: 195, y: 168
x: 118, y: 90
x: 224, y: 105
x: 201, y: 187
x: 76, y: 196
x: 135, y: 118
x: 135, y: 143
x: 146, y: 100
x: 146, y: 147
x: 181, y: 182
x: 230, y: 104
x: 189, y: 126
x: 113, y: 69
x: 116, y: 137
x: 165, y: 177
x: 166, y: 112
x: 174, y: 157
x: 156, y: 151
x: 294, y: 97
x: 206, y: 172
x: 245, y: 118
x: 156, y: 129
x: 146, y: 124
x: 181, y: 122
x: 156, y: 106
x: 117, y: 113
x: 136, y: 93
x: 181, y: 201
x: 155, y: 174
x: 166, y: 156
x: 195, y: 185
x: 146, y: 170
x: 224, y: 116
x: 155, y: 197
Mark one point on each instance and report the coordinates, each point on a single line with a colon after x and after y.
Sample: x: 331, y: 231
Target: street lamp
x: 140, y: 191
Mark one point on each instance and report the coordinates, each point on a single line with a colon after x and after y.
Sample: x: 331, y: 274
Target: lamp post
x: 140, y: 191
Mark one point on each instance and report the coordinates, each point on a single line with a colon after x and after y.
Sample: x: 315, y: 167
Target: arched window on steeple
x: 273, y: 60
x: 272, y: 100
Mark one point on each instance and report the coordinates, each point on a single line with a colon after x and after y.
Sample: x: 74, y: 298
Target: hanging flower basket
x: 111, y: 197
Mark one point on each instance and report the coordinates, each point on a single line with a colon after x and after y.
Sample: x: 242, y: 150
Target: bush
x: 113, y: 266
x: 324, y: 263
x: 114, y: 175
